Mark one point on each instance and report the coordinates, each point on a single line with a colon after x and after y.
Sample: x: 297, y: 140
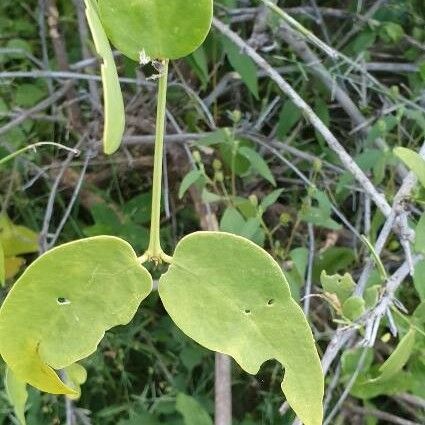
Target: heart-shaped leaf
x: 230, y: 296
x: 59, y: 309
x: 113, y: 101
x: 158, y: 29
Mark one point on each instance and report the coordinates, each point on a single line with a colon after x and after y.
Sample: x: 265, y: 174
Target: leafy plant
x: 222, y: 290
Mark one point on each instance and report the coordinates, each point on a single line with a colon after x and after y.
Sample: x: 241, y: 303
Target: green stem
x: 34, y: 147
x: 154, y: 251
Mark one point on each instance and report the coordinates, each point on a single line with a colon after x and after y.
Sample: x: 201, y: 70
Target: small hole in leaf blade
x: 63, y: 301
x: 247, y: 311
x: 270, y: 302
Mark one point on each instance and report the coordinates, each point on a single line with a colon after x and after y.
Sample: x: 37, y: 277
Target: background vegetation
x: 242, y: 157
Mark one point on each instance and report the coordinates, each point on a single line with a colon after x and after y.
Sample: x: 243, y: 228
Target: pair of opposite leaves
x: 223, y: 291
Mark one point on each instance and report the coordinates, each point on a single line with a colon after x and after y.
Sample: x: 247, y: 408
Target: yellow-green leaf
x: 12, y: 266
x: 59, y: 309
x: 230, y: 296
x: 16, y: 240
x: 17, y: 394
x: 414, y: 161
x: 341, y: 286
x: 158, y: 29
x: 2, y: 266
x: 75, y: 376
x: 113, y: 100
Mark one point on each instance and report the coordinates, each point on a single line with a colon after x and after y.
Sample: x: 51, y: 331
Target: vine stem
x: 155, y: 252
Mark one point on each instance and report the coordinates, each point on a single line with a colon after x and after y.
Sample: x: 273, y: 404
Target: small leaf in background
x: 242, y: 64
x: 420, y: 235
x: 341, y: 286
x: 353, y: 307
x: 199, y: 63
x: 192, y: 411
x: 113, y: 100
x: 333, y: 260
x: 270, y: 199
x: 371, y: 296
x: 413, y: 161
x: 296, y: 276
x: 398, y: 357
x: 419, y: 279
x: 75, y: 376
x: 17, y: 394
x: 257, y: 163
x: 231, y: 156
x: 288, y: 117
x: 189, y: 180
x: 322, y: 111
x: 2, y: 267
x: 244, y: 312
x: 320, y: 215
x: 233, y: 221
x: 83, y: 288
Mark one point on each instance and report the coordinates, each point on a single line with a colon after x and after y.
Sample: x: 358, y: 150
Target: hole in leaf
x: 270, y: 302
x: 63, y: 301
x: 247, y: 311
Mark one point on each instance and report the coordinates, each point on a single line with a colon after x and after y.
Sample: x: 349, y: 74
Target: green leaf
x: 257, y: 163
x: 418, y: 279
x: 320, y: 215
x: 113, y: 100
x: 17, y: 394
x: 161, y: 29
x: 59, y: 309
x: 420, y: 235
x: 398, y: 357
x: 413, y: 161
x: 230, y: 296
x: 341, y: 286
x: 270, y: 199
x: 288, y: 117
x: 192, y: 411
x: 242, y: 64
x: 233, y: 221
x: 2, y: 266
x: 353, y: 307
x: 189, y: 179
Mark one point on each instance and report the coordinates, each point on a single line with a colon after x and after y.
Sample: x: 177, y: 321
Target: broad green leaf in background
x: 192, y: 411
x: 242, y: 64
x: 420, y: 235
x: 113, y: 100
x: 398, y: 357
x: 59, y: 309
x: 17, y: 394
x: 257, y: 163
x: 2, y: 266
x: 158, y: 29
x: 75, y: 376
x: 230, y: 296
x: 413, y: 161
